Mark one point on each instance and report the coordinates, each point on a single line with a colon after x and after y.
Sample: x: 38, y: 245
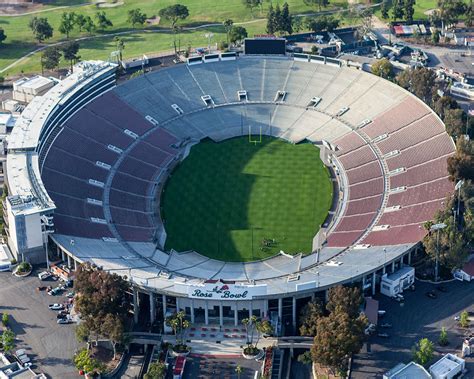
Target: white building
x: 25, y: 89
x: 447, y: 367
x: 466, y: 272
x: 462, y: 90
x: 28, y: 209
x: 411, y: 370
x: 397, y: 282
x: 5, y: 258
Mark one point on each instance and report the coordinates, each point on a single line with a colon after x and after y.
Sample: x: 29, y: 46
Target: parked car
x: 386, y: 325
x: 442, y: 289
x: 431, y: 294
x: 55, y: 291
x: 44, y: 275
x: 370, y: 329
x: 399, y: 298
x: 70, y: 295
x: 20, y: 352
x: 64, y: 321
x: 381, y: 312
x: 383, y: 335
x: 62, y: 314
x: 56, y: 307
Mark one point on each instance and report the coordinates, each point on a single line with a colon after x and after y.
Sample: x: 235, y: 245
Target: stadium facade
x: 87, y: 161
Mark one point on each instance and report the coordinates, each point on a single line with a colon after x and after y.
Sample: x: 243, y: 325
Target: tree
x: 305, y: 358
x: 317, y: 4
x: 449, y: 12
x: 102, y: 21
x: 84, y: 362
x: 419, y: 81
x: 238, y: 33
x: 120, y: 45
x: 442, y: 104
x: 263, y: 327
x: 174, y: 13
x: 397, y: 10
x: 384, y: 9
x: 297, y: 24
x: 80, y: 21
x: 455, y: 122
x: 464, y: 319
x: 338, y: 336
x: 238, y: 371
x: 382, y: 68
x: 435, y: 36
x: 251, y: 4
x: 5, y: 319
x: 309, y: 316
x: 68, y: 20
x: 156, y: 370
x: 271, y: 22
x: 83, y: 333
x: 179, y: 324
x: 70, y: 51
x: 41, y: 28
x: 50, y: 58
x: 136, y: 17
x: 228, y: 25
x: 8, y: 340
x: 286, y: 20
x: 461, y: 165
x: 345, y: 299
x: 319, y: 24
x: 443, y: 337
x: 89, y: 25
x: 98, y: 294
x: 366, y: 21
x: 409, y: 10
x: 112, y: 328
x: 423, y: 351
x: 3, y: 36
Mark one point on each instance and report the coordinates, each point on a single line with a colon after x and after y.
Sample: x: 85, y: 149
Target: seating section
x: 78, y: 171
x: 108, y: 160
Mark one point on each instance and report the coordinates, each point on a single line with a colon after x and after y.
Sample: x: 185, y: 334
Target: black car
x: 431, y: 295
x: 442, y: 289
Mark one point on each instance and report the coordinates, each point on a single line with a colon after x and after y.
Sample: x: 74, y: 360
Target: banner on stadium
x: 223, y: 291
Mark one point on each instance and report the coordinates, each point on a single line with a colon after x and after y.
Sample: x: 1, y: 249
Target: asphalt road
x: 49, y: 345
x: 419, y: 317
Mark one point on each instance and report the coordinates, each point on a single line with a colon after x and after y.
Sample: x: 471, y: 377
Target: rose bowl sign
x: 223, y: 291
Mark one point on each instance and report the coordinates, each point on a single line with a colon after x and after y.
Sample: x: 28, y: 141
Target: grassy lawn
x: 226, y: 198
x: 20, y: 40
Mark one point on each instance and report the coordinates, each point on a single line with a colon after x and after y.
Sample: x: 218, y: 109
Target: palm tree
x: 238, y: 371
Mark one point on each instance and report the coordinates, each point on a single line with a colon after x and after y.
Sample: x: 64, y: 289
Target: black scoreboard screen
x: 265, y: 46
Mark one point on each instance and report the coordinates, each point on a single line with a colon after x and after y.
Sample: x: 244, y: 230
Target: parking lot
x: 418, y: 317
x: 49, y: 345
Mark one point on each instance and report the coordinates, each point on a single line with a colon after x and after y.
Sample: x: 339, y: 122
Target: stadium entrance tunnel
x: 246, y: 199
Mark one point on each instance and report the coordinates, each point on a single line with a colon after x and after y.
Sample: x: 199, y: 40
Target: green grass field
x: 226, y: 198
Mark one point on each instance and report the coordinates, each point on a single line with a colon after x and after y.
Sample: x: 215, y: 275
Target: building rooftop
x: 22, y: 161
x: 411, y: 370
x: 445, y: 365
x: 33, y: 83
x: 400, y: 273
x: 7, y: 119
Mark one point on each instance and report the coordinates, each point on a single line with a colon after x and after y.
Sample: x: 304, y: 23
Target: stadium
x: 342, y: 169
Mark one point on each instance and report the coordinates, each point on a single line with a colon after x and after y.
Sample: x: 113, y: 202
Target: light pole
x: 437, y: 228
x: 458, y: 188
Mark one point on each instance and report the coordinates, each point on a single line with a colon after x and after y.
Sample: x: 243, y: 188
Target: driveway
x: 419, y: 317
x: 49, y: 345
